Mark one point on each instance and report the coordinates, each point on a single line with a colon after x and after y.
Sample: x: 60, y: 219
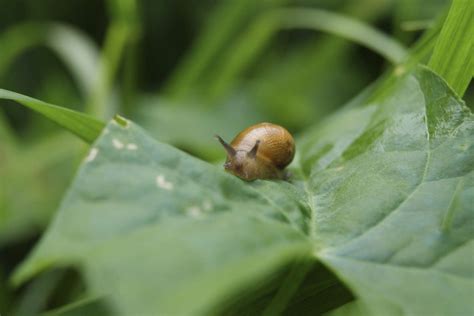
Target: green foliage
x: 36, y: 170
x: 255, y: 39
x: 386, y: 198
x: 39, y: 172
x: 379, y: 209
x: 72, y: 46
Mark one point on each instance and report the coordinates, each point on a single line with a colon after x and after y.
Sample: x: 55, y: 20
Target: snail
x: 261, y: 151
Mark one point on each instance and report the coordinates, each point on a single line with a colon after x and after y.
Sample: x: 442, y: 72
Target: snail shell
x: 261, y: 151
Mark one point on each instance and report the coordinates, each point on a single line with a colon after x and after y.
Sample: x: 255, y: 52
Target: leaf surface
x: 147, y: 222
x: 394, y: 199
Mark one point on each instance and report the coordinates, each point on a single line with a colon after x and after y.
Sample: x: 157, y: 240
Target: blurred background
x: 183, y: 70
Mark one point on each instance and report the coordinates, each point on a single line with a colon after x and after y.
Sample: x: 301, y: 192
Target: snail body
x: 261, y: 151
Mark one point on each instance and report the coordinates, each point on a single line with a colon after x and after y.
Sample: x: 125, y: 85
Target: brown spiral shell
x: 276, y: 143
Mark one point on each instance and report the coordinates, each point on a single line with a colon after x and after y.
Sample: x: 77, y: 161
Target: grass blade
x: 345, y: 27
x: 259, y: 34
x: 453, y: 54
x: 77, y: 51
x: 82, y: 125
x: 122, y: 30
x: 222, y: 25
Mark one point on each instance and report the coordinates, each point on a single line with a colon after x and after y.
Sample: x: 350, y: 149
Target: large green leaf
x: 383, y: 195
x: 209, y: 230
x: 392, y: 186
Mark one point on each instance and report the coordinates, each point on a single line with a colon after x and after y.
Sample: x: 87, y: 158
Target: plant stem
x: 116, y: 39
x: 121, y: 32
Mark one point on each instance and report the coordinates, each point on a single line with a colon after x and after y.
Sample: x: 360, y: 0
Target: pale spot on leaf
x: 194, y: 211
x: 132, y: 146
x: 162, y: 183
x: 207, y: 205
x: 340, y: 168
x: 92, y: 154
x: 117, y: 144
